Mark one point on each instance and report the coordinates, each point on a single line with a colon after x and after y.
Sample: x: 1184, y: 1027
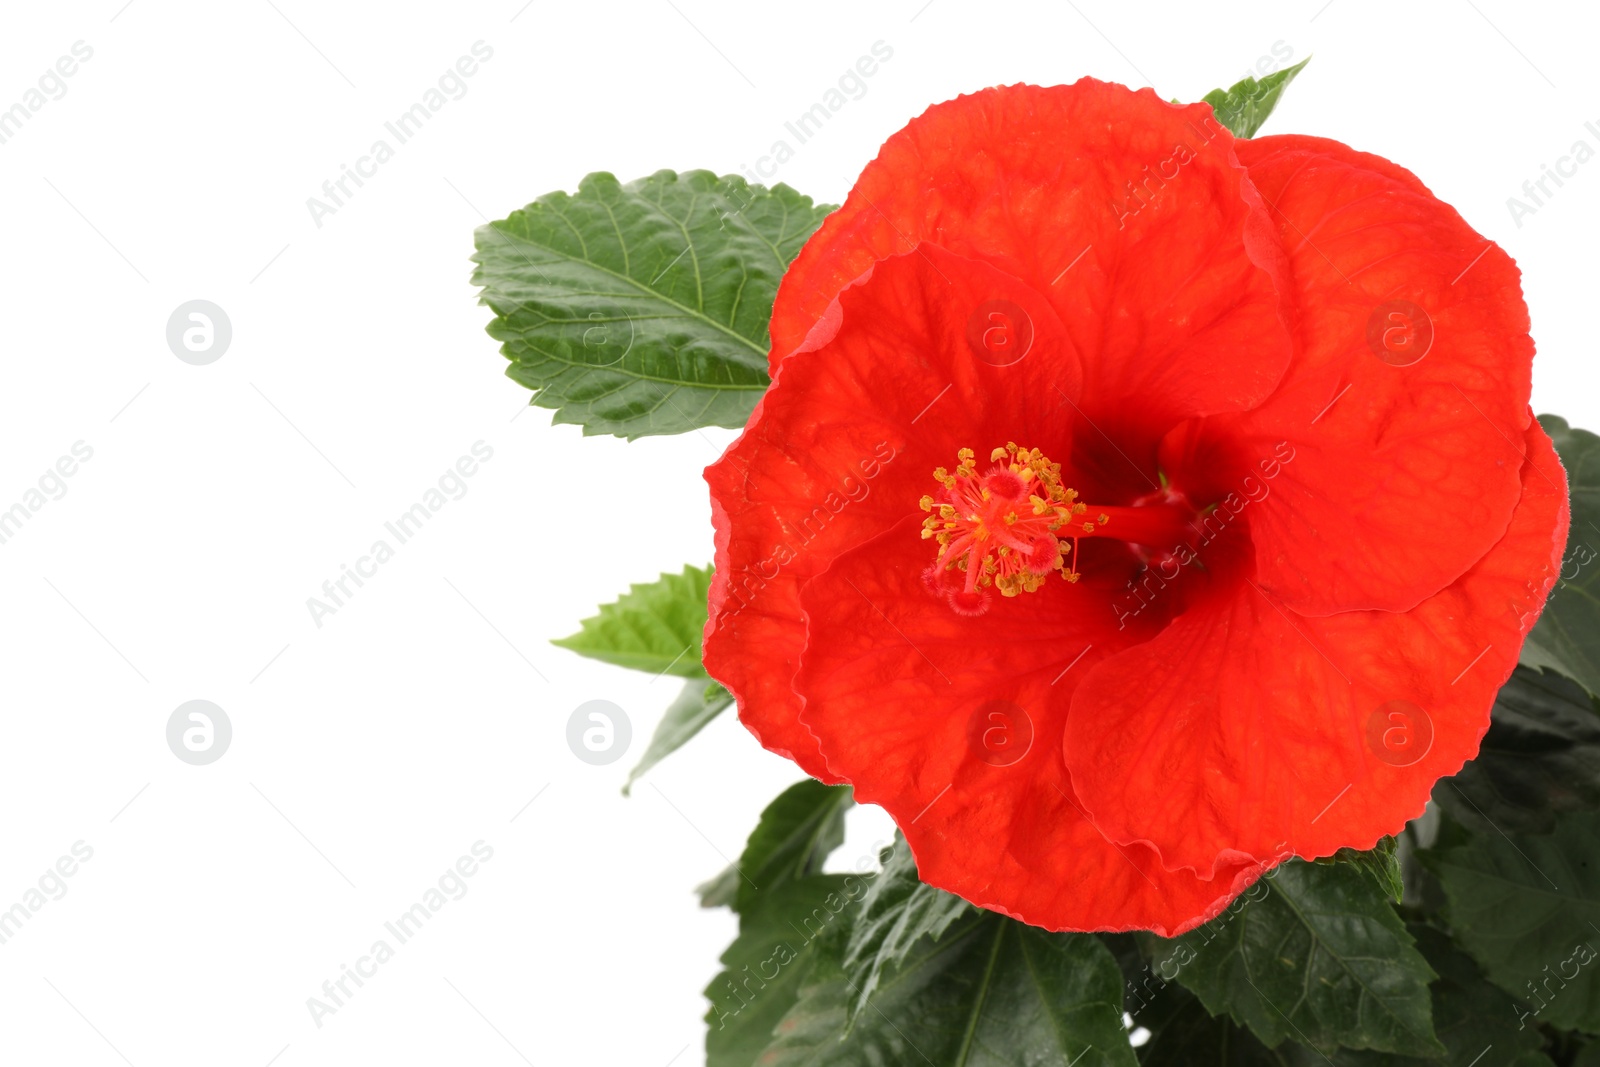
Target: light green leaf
x: 1567, y: 636
x: 1314, y: 953
x: 1527, y: 910
x: 1244, y: 107
x: 643, y: 308
x: 653, y: 627
x: 700, y: 701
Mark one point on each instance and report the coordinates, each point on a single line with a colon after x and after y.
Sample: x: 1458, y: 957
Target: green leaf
x: 1183, y: 1033
x: 811, y: 1031
x: 989, y: 992
x: 784, y: 932
x: 1470, y: 1015
x: 1567, y: 636
x: 1476, y: 1022
x: 1541, y: 756
x: 720, y: 891
x: 791, y: 916
x: 643, y: 308
x: 1527, y: 909
x: 793, y: 839
x: 1245, y: 106
x: 992, y: 992
x: 653, y: 627
x: 899, y: 912
x: 700, y: 701
x: 1316, y: 953
x: 1382, y: 862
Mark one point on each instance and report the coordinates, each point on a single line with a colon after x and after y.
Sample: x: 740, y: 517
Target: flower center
x: 1001, y: 529
x: 1012, y: 526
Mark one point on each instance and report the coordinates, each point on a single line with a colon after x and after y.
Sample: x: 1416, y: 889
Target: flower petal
x: 1408, y: 395
x: 844, y: 445
x: 954, y: 725
x: 1131, y: 214
x: 1248, y: 730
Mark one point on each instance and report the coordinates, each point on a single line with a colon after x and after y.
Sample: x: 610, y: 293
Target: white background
x: 368, y: 754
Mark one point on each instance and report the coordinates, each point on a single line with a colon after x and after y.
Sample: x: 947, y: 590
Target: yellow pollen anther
x: 998, y: 529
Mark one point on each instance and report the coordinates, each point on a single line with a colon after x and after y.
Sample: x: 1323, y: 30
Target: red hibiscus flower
x: 1134, y: 507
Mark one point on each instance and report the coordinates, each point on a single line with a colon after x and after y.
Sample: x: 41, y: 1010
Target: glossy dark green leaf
x: 952, y: 985
x: 1184, y: 1034
x: 899, y: 912
x: 1381, y: 862
x: 1314, y: 953
x: 1474, y: 1019
x: 1567, y: 636
x: 1527, y: 907
x: 700, y: 701
x: 793, y: 839
x: 643, y: 308
x: 654, y: 626
x: 792, y: 918
x: 991, y: 992
x: 1247, y: 104
x: 721, y: 890
x: 1476, y: 1022
x: 1540, y: 757
x: 785, y: 932
x: 812, y: 1031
